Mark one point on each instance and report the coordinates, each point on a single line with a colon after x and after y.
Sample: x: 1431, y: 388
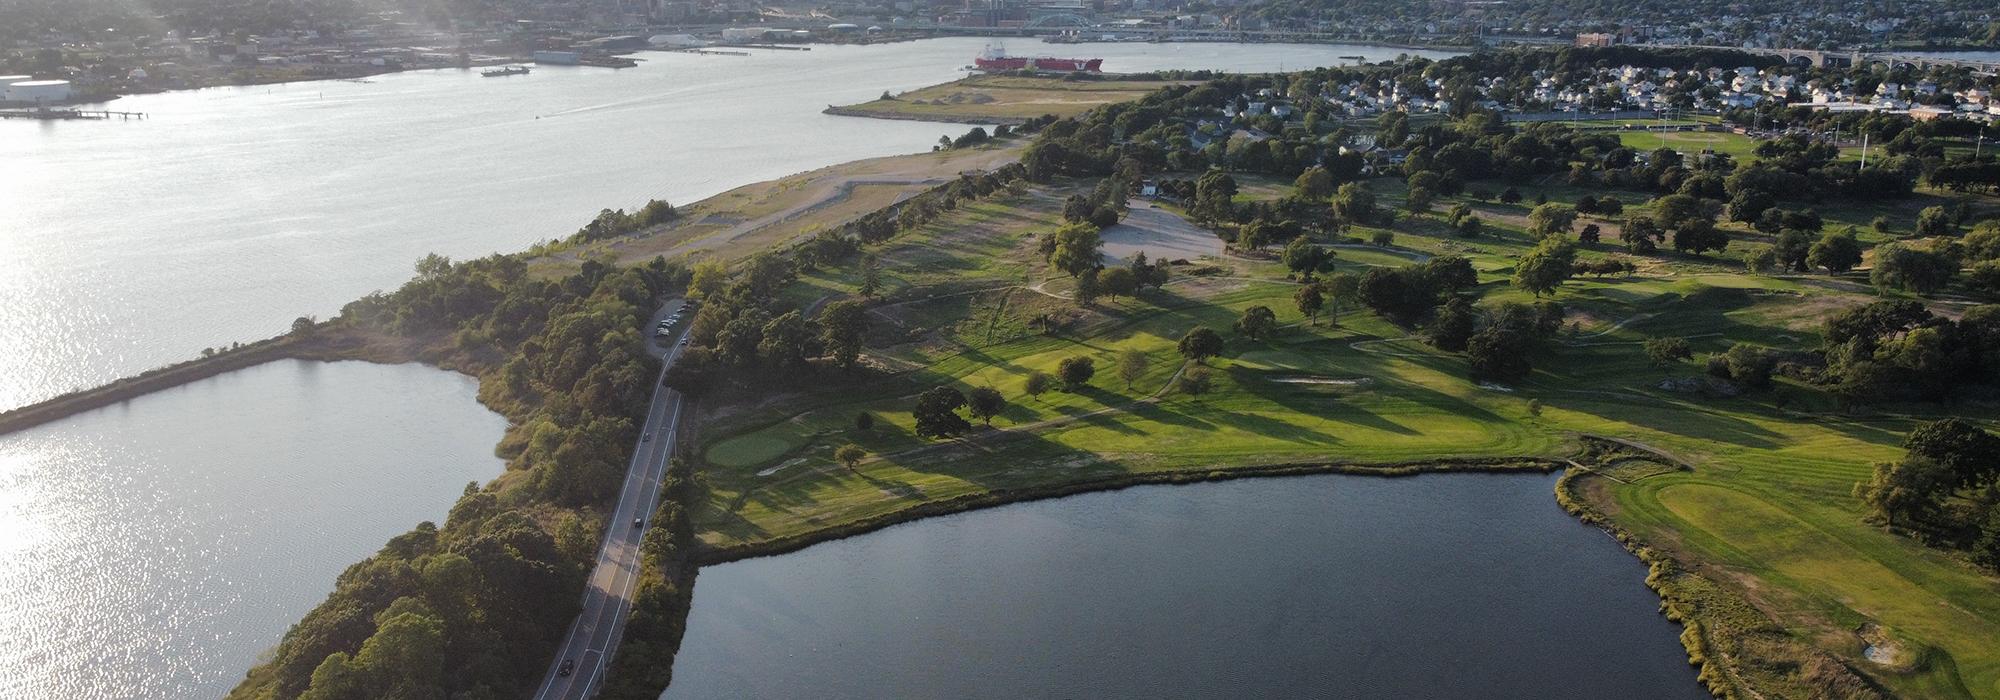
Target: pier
x: 66, y: 114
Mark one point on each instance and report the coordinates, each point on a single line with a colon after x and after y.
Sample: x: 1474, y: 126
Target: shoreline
x: 150, y: 381
x: 709, y: 555
x: 916, y: 117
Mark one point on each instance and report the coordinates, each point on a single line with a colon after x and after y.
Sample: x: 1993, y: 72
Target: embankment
x: 709, y: 555
x: 924, y: 116
x: 129, y: 388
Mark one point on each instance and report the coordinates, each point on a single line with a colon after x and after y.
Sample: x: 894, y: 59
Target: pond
x: 1437, y: 586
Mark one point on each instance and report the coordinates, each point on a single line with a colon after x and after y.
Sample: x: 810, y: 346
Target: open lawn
x: 1004, y: 99
x: 1765, y: 511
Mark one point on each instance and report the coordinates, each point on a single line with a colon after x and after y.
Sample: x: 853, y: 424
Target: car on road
x: 647, y: 438
x: 568, y: 667
x: 684, y: 340
x: 636, y: 522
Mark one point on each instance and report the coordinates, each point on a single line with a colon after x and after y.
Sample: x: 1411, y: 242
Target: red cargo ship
x: 998, y: 60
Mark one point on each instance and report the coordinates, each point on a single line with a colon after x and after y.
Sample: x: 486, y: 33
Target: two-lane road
x: 607, y: 599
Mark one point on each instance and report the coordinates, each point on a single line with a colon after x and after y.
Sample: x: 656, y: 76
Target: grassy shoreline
x: 709, y: 555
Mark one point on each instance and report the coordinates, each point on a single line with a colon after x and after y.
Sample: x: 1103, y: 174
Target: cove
x: 153, y: 549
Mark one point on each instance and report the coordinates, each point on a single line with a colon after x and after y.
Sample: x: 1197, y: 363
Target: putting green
x: 752, y: 449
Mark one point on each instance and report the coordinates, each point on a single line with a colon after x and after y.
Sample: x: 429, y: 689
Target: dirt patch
x: 1160, y: 234
x: 1325, y: 381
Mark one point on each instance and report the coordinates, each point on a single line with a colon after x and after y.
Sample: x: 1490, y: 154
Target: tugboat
x: 504, y: 71
x: 996, y: 60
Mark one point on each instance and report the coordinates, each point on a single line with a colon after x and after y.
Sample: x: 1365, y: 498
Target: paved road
x: 593, y: 637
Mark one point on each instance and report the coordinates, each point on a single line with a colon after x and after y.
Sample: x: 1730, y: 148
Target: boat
x: 504, y: 71
x: 996, y: 60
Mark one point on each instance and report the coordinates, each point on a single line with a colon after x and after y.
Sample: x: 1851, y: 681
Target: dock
x: 66, y: 114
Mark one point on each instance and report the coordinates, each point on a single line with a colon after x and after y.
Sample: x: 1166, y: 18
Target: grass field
x: 1006, y: 98
x: 1765, y: 515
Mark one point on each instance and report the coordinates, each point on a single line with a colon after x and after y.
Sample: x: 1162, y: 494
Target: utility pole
x: 1864, y: 150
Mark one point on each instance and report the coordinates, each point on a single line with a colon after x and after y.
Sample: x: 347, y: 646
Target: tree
x: 1591, y: 233
x: 1676, y: 210
x: 1038, y: 383
x: 1664, y: 352
x: 1314, y: 183
x: 985, y: 402
x: 842, y: 325
x: 1076, y: 372
x: 1454, y: 325
x: 1934, y: 221
x: 1309, y: 300
x: 1749, y: 365
x: 708, y: 277
x: 1302, y: 257
x: 1498, y: 353
x: 1905, y: 491
x: 1088, y: 287
x: 1200, y: 344
x: 1510, y: 196
x: 1418, y: 199
x: 1543, y: 269
x: 864, y: 421
x: 303, y: 326
x: 1697, y: 236
x: 1341, y: 289
x: 1075, y: 248
x: 1898, y: 266
x: 1132, y: 365
x: 850, y: 455
x: 1118, y: 281
x: 1451, y: 274
x: 936, y: 413
x: 1257, y: 323
x: 871, y: 276
x: 693, y: 374
x: 1836, y: 252
x: 1639, y: 234
x: 787, y: 341
x: 1550, y: 219
x: 1354, y: 204
x: 1794, y: 250
x: 1760, y: 261
x: 1215, y: 195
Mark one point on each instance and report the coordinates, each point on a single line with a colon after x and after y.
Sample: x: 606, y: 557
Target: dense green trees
x: 1200, y: 343
x: 1074, y: 248
x: 1664, y: 352
x: 1075, y: 372
x: 985, y: 402
x: 936, y: 413
x: 1943, y: 488
x: 1543, y: 269
x: 1257, y: 323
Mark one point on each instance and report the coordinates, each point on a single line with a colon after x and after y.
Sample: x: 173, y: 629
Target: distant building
x: 1596, y: 39
x: 39, y: 92
x: 558, y: 58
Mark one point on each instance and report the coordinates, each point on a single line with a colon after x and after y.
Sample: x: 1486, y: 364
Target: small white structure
x: 739, y: 35
x: 675, y: 41
x: 39, y: 92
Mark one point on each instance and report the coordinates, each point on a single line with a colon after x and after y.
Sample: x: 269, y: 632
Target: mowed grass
x: 1767, y: 509
x: 1010, y: 97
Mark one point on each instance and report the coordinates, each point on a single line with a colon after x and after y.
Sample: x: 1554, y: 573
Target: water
x: 231, y: 211
x: 1439, y: 586
x: 154, y: 549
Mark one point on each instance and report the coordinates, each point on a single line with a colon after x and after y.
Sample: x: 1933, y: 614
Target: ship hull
x: 1054, y: 65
